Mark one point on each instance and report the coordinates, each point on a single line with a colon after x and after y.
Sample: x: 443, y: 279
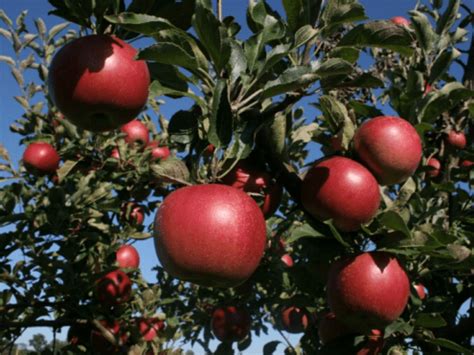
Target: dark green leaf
x: 168, y: 76
x: 380, y: 34
x: 448, y: 18
x: 392, y: 220
x: 306, y: 230
x: 430, y: 320
x: 169, y: 53
x: 442, y: 63
x: 269, y: 348
x: 451, y: 345
x: 293, y: 9
x: 140, y: 23
x: 334, y: 66
x: 349, y: 54
x: 292, y: 79
x: 221, y: 122
x: 342, y: 11
x: 182, y: 127
x: 333, y: 111
x: 171, y: 170
x: 424, y: 32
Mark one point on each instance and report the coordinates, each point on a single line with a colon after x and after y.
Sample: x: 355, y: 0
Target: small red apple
x: 294, y: 319
x: 390, y: 147
x: 341, y: 189
x: 101, y: 345
x: 374, y: 344
x: 330, y: 328
x: 287, y: 260
x: 400, y: 20
x: 115, y: 154
x: 41, y: 158
x: 212, y: 235
x: 368, y: 291
x: 230, y: 323
x: 97, y: 84
x: 114, y: 288
x: 420, y: 290
x: 133, y: 213
x: 135, y: 132
x: 128, y: 257
x: 246, y: 176
x: 157, y: 152
x: 456, y: 139
x: 428, y: 89
x: 150, y: 328
x: 209, y: 149
x: 435, y: 166
x: 467, y: 164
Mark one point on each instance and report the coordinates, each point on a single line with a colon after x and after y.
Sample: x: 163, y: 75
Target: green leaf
x: 182, y: 127
x: 379, y: 34
x: 290, y: 80
x: 338, y: 12
x: 363, y: 110
x: 334, y: 66
x: 171, y: 170
x: 221, y: 121
x: 168, y: 76
x: 333, y: 111
x: 448, y: 18
x: 451, y: 345
x: 442, y: 63
x: 237, y: 64
x: 393, y: 220
x: 337, y: 235
x: 66, y: 168
x: 140, y: 23
x: 430, y: 320
x: 424, y: 32
x: 293, y: 9
x: 406, y: 192
x: 304, y: 231
x: 212, y: 35
x: 157, y: 89
x: 349, y: 54
x: 304, y: 35
x: 56, y: 29
x: 269, y: 348
x: 169, y: 53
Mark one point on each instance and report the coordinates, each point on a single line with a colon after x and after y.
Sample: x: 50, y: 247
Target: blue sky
x: 10, y: 109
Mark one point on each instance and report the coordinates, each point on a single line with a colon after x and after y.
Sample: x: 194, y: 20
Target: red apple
x: 246, y: 176
x: 133, y: 213
x: 101, y: 345
x: 212, y: 235
x: 158, y: 152
x: 209, y: 149
x: 428, y: 89
x: 400, y: 20
x: 127, y: 257
x: 467, y: 164
x: 390, y: 147
x: 97, y: 84
x: 150, y: 328
x: 287, y: 260
x: 330, y: 328
x: 368, y: 291
x: 79, y: 334
x: 420, y: 291
x: 435, y: 166
x: 41, y: 158
x: 230, y: 323
x: 374, y: 344
x: 115, y: 154
x: 341, y: 189
x: 114, y: 288
x: 456, y: 139
x: 294, y: 319
x: 135, y: 132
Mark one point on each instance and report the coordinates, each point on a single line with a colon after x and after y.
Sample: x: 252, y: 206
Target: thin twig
x: 219, y: 9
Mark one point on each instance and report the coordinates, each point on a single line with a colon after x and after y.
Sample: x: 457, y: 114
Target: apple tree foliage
x: 59, y: 234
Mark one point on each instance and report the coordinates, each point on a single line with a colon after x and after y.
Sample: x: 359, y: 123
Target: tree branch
x: 57, y: 323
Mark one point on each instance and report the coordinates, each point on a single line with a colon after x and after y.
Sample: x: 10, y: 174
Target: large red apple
x: 101, y: 345
x: 294, y: 319
x: 97, y: 84
x: 230, y: 323
x: 212, y: 235
x: 114, y: 288
x: 135, y: 132
x: 149, y: 328
x: 390, y: 147
x: 368, y: 291
x: 435, y: 167
x: 456, y: 139
x: 400, y: 20
x: 158, y: 152
x: 246, y: 176
x: 330, y: 328
x: 41, y: 158
x: 127, y: 257
x: 341, y: 189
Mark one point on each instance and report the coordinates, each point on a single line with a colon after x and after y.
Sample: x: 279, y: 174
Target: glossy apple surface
x: 212, y: 235
x: 368, y: 291
x: 287, y: 260
x: 248, y: 177
x: 341, y: 189
x: 294, y: 319
x: 97, y: 84
x: 41, y: 158
x: 230, y: 323
x: 456, y: 139
x: 150, y: 328
x: 127, y: 257
x: 114, y: 288
x: 420, y: 291
x: 136, y: 132
x: 390, y: 147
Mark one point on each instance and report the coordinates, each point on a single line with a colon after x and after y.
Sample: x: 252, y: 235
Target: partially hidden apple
x: 97, y: 84
x: 230, y: 323
x: 41, y: 158
x: 456, y: 139
x: 250, y: 178
x: 136, y: 132
x: 158, y: 152
x: 101, y: 345
x: 114, y: 288
x: 150, y: 328
x: 368, y: 291
x: 400, y: 20
x: 127, y: 257
x: 420, y: 290
x: 390, y: 147
x: 343, y: 190
x: 435, y: 167
x: 133, y: 213
x: 212, y: 235
x: 294, y: 319
x: 287, y: 260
